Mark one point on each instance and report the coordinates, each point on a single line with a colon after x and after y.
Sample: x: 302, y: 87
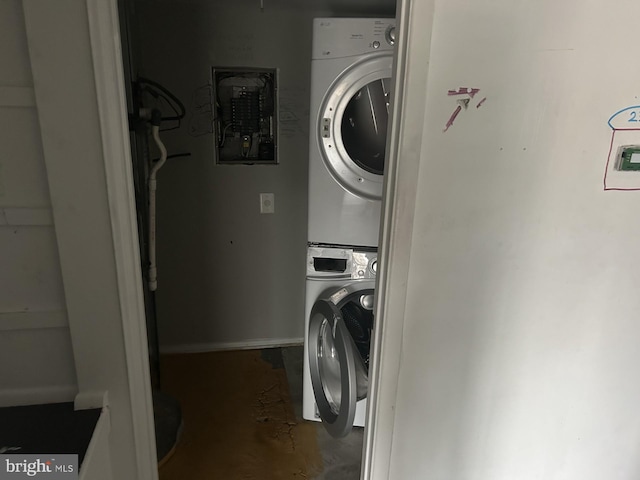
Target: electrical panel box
x: 629, y: 158
x: 245, y: 119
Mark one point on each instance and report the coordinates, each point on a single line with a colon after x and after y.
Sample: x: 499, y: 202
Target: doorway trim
x: 106, y: 49
x: 404, y: 147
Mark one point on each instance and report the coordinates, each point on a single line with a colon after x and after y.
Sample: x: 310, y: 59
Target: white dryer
x: 350, y: 92
x: 339, y: 321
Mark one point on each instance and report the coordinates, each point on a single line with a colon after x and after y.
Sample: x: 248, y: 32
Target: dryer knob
x: 390, y: 35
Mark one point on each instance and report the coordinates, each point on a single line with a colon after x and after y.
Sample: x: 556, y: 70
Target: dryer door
x: 338, y: 343
x: 352, y: 125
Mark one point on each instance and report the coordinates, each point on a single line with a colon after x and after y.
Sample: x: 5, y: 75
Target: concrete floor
x: 341, y: 457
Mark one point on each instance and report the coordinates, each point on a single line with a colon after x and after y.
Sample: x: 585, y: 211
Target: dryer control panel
x: 333, y: 262
x: 347, y: 37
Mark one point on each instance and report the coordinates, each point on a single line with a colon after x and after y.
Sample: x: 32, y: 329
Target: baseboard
x: 91, y: 399
x: 222, y: 346
x: 37, y: 395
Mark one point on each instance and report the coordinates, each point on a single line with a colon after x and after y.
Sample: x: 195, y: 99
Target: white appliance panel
x: 352, y: 59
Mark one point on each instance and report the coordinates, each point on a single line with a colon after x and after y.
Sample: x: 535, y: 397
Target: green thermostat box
x: 629, y: 159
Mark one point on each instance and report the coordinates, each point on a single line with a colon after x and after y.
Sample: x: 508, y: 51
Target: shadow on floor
x: 341, y: 458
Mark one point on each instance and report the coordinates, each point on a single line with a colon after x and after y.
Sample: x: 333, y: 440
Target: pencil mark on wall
x: 289, y: 121
x: 202, y: 111
x: 237, y: 46
x: 293, y: 112
x: 463, y: 103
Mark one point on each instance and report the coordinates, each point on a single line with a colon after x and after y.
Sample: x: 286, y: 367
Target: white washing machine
x: 339, y: 321
x: 350, y: 83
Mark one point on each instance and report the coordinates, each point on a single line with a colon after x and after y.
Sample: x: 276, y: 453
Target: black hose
x: 175, y: 99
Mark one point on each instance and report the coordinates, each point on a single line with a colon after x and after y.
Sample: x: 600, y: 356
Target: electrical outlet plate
x: 267, y: 203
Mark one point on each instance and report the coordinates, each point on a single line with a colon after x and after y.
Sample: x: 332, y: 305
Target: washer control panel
x: 365, y: 263
x: 332, y: 262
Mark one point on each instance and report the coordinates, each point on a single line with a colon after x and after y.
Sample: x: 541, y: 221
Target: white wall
x: 36, y: 359
x: 229, y: 276
x: 520, y: 342
x: 80, y: 97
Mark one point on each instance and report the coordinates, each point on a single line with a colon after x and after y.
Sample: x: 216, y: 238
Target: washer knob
x: 390, y: 34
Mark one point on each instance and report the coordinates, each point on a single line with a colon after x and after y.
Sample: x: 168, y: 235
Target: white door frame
x: 414, y: 20
x: 403, y: 157
x: 74, y: 46
x: 106, y: 48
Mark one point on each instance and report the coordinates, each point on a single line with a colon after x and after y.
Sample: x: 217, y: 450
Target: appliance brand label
x: 336, y: 297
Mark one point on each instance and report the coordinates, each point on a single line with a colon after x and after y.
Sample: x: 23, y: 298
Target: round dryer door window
x: 364, y: 125
x: 353, y: 125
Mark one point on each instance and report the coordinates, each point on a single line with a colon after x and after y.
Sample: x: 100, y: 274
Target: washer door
x: 338, y: 373
x: 352, y: 125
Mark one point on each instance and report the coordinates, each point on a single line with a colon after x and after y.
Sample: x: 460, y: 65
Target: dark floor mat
x: 272, y: 356
x: 168, y: 422
x: 45, y: 429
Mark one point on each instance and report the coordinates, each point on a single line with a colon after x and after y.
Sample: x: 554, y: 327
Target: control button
x: 374, y: 266
x: 376, y: 44
x: 361, y: 273
x: 390, y: 35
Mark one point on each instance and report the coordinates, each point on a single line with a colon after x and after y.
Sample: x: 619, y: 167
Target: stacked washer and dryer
x: 350, y: 92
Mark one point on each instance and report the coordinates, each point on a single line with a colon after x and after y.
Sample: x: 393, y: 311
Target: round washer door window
x: 336, y: 342
x: 353, y: 125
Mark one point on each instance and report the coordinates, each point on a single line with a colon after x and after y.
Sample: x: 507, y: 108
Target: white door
x: 519, y: 344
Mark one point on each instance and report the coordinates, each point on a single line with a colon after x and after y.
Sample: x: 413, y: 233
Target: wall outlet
x: 267, y: 203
